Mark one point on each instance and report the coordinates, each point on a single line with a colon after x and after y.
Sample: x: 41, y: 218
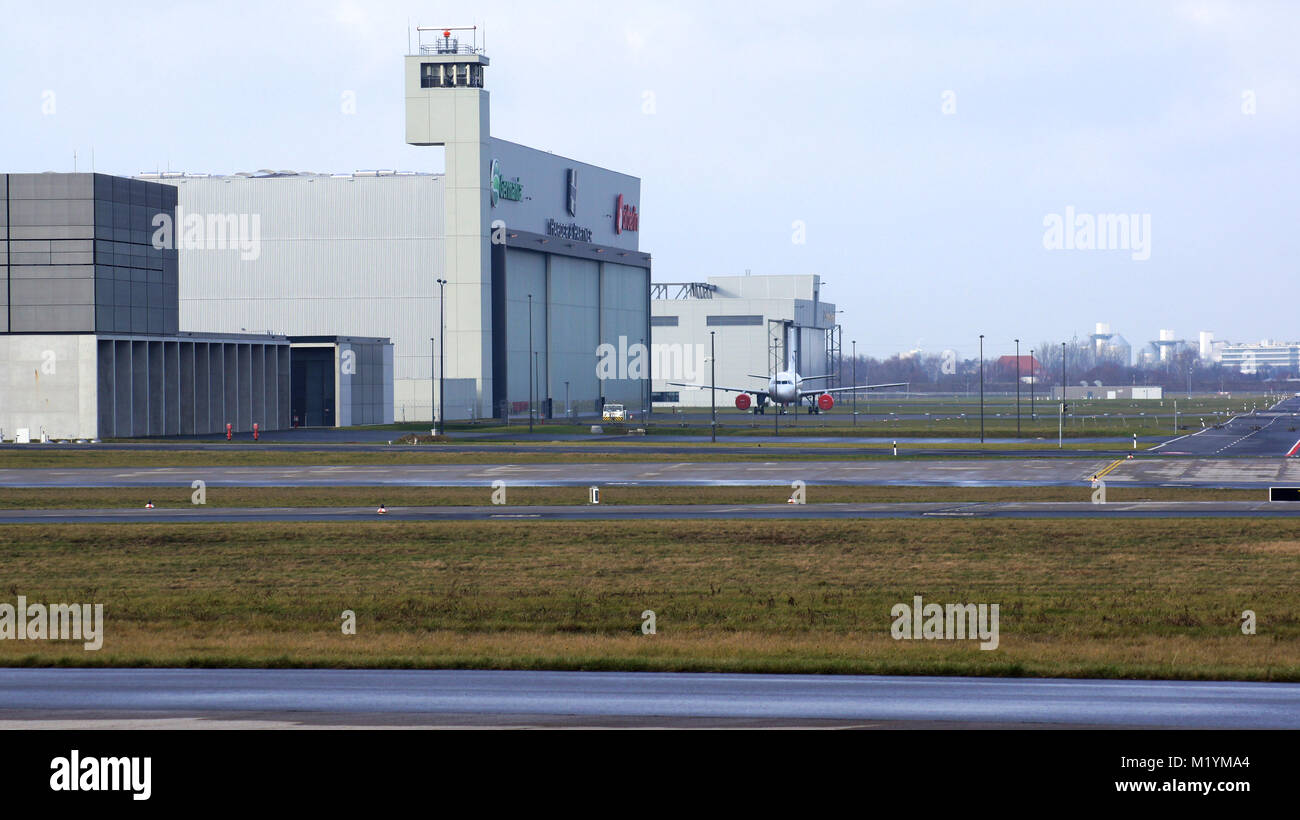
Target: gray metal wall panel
x: 244, y: 381
x: 230, y: 378
x: 257, y: 385
x: 106, y: 371
x: 51, y: 318
x: 188, y: 378
x: 338, y: 256
x: 525, y: 274
x: 157, y: 382
x: 172, y: 390
x: 625, y: 293
x: 203, y: 395
x: 284, y: 384
x: 574, y: 331
x: 270, y: 388
x: 218, y: 394
x: 140, y: 388
x: 122, y: 401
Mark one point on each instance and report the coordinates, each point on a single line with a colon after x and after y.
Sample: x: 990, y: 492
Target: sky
x: 915, y: 155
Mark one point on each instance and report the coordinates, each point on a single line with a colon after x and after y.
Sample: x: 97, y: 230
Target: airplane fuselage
x: 784, y: 387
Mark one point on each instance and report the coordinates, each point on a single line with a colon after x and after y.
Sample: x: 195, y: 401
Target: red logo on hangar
x: 626, y: 217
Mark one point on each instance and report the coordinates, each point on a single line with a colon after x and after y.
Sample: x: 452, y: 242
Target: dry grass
x: 1151, y: 598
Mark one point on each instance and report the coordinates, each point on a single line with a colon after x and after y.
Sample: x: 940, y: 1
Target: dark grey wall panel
x: 230, y: 376
x: 104, y: 388
x: 157, y: 389
x: 140, y: 388
x: 60, y: 225
x: 188, y: 387
x: 122, y: 414
x: 50, y: 318
x: 202, y: 393
x: 244, y: 371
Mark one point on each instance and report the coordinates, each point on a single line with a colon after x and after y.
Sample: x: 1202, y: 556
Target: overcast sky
x: 918, y: 149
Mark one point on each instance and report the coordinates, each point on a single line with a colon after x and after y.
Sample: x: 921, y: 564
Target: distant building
x: 1248, y: 358
x: 761, y: 324
x: 1109, y: 392
x: 1005, y: 367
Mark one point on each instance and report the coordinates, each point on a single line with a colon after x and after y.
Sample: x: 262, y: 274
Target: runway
x: 1144, y: 471
x: 527, y: 698
x: 1271, y: 432
x: 625, y: 512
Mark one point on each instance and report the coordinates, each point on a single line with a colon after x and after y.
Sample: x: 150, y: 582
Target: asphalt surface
x: 463, y: 697
x: 623, y: 512
x: 965, y: 472
x: 1144, y: 471
x: 1271, y: 432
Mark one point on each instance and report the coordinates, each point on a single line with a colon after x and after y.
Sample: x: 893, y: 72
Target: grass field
x: 180, y: 496
x: 1137, y: 599
x: 925, y: 416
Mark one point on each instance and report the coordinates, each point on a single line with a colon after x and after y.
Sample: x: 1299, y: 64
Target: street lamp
x: 566, y: 398
x: 532, y: 359
x: 855, y: 382
x: 981, y: 388
x: 1033, y: 377
x: 713, y: 388
x: 442, y: 358
x: 433, y: 384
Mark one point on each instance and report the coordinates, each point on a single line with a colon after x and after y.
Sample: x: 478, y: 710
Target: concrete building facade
x: 90, y: 347
x: 1249, y: 357
x: 535, y: 255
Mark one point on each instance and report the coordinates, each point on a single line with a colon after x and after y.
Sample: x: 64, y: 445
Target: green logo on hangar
x: 503, y: 188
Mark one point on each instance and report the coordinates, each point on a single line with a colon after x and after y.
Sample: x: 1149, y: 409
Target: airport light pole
x: 713, y: 387
x: 855, y: 382
x: 981, y: 388
x: 442, y: 357
x: 566, y: 399
x: 1017, y: 388
x: 530, y: 364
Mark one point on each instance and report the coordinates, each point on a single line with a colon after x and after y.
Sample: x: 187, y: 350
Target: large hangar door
x: 625, y: 313
x: 313, y: 386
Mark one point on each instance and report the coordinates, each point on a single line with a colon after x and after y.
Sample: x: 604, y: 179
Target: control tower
x: 447, y: 105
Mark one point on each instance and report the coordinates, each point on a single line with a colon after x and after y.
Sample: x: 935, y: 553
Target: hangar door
x: 313, y: 386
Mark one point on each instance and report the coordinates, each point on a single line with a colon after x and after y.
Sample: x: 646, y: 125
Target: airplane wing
x: 803, y: 393
x: 762, y: 393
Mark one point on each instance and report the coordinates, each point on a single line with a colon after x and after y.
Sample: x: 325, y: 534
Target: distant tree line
x: 1182, y: 371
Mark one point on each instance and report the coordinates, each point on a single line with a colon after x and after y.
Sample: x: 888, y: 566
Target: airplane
x: 785, y: 388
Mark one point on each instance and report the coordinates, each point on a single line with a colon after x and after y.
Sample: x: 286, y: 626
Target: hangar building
x: 536, y: 256
x: 761, y: 324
